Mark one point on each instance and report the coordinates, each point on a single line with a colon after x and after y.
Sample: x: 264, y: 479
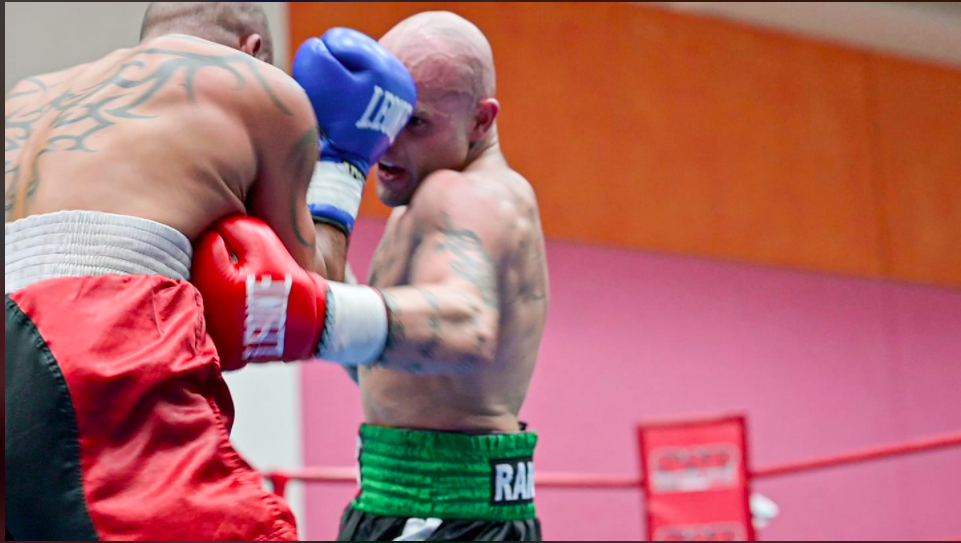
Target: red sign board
x: 696, y: 482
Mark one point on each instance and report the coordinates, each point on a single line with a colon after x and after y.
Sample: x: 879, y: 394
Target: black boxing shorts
x: 117, y: 416
x: 360, y: 526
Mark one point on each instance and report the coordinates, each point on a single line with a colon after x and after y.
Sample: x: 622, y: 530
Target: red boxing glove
x: 259, y: 304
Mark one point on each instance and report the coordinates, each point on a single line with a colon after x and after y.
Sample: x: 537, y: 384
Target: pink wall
x: 821, y: 364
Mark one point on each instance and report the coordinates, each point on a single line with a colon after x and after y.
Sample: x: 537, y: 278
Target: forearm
x: 331, y: 259
x: 438, y: 329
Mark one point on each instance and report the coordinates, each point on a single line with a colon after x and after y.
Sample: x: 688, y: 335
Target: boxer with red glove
x: 109, y: 371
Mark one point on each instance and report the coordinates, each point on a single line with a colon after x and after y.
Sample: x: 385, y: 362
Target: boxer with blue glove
x: 445, y: 338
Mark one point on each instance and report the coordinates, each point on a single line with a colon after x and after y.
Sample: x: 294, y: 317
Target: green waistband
x: 416, y: 474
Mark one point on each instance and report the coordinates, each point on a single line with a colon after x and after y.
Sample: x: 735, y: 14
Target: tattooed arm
x: 288, y: 151
x: 447, y: 320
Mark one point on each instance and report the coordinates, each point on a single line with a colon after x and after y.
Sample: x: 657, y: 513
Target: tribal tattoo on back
x: 74, y: 116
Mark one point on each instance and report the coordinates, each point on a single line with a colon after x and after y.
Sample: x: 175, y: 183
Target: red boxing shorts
x: 117, y: 416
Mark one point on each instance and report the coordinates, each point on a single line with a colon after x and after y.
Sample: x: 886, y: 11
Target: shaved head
x: 226, y: 23
x: 444, y: 52
x: 454, y: 119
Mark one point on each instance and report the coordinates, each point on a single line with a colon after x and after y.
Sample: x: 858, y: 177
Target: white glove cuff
x: 355, y: 331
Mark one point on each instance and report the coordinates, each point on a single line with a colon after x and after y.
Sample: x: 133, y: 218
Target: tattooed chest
x: 390, y: 265
x: 390, y: 268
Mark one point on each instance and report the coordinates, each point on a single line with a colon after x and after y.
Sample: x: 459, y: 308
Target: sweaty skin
x: 461, y: 264
x: 178, y: 130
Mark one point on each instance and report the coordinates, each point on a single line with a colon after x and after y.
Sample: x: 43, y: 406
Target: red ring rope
x: 279, y: 479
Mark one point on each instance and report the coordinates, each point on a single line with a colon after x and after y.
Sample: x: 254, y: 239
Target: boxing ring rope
x: 583, y: 481
x: 906, y: 448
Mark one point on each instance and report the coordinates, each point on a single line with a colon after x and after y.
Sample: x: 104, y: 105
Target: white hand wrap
x: 334, y: 194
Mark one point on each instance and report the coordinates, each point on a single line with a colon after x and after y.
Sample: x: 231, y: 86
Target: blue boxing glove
x: 363, y: 97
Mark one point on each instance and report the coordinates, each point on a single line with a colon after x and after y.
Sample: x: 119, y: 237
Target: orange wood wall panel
x: 919, y: 156
x: 745, y: 145
x: 644, y: 128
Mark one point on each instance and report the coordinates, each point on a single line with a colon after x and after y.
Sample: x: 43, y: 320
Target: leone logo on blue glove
x: 362, y: 96
x: 389, y: 118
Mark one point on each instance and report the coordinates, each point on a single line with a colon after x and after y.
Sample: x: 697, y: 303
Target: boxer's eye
x: 416, y: 121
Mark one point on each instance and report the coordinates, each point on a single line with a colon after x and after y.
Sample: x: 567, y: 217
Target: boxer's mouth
x: 389, y: 172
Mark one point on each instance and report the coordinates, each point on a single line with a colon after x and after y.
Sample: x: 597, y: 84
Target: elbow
x: 480, y: 352
x: 487, y: 353
x: 475, y: 345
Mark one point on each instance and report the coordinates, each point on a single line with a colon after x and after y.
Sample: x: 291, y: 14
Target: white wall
x: 43, y: 37
x: 40, y: 37
x: 929, y: 31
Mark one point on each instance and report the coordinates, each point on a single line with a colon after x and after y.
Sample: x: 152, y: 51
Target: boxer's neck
x: 487, y: 148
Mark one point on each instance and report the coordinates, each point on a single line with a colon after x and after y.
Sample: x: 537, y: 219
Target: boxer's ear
x: 484, y: 116
x: 253, y: 45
